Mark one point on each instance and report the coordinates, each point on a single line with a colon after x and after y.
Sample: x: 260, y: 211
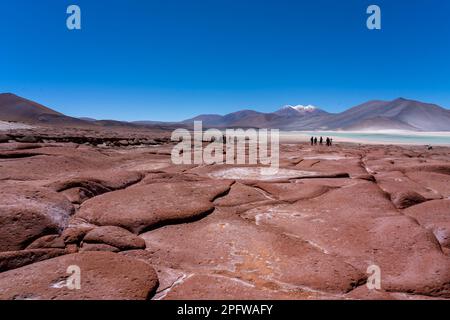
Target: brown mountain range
x: 398, y: 114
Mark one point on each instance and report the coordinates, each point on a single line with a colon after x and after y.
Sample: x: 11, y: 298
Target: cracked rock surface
x: 140, y: 227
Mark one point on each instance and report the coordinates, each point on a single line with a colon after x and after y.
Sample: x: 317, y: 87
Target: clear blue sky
x: 170, y: 60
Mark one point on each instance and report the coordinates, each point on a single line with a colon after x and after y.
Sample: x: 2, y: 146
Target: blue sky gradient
x: 171, y: 60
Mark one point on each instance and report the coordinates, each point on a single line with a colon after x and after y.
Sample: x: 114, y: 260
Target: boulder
x: 433, y: 181
x: 54, y: 163
x: 103, y: 276
x: 16, y: 259
x: 98, y: 247
x: 51, y: 241
x: 435, y: 216
x: 28, y: 213
x: 241, y: 194
x: 92, y: 183
x: 75, y: 234
x: 77, y: 195
x: 405, y: 199
x: 228, y: 245
x: 98, y: 181
x: 149, y: 206
x: 116, y: 237
x: 399, y: 186
x: 360, y: 225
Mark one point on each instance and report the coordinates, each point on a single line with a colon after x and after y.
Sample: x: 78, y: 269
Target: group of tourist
x: 329, y: 141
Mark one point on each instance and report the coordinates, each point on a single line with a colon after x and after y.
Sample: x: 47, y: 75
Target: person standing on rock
x: 315, y: 140
x: 321, y: 141
x: 312, y: 140
x: 328, y: 142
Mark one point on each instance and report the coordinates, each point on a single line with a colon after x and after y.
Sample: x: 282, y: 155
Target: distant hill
x: 398, y: 114
x: 244, y: 118
x: 379, y: 123
x: 282, y: 118
x: 18, y: 109
x: 87, y: 119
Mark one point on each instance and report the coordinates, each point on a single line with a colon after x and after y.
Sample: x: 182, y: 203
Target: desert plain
x: 111, y: 202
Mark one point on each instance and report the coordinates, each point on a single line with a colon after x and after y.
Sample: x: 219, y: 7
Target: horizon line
x: 220, y: 114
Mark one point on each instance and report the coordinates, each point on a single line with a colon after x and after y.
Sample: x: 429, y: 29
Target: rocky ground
x: 140, y: 227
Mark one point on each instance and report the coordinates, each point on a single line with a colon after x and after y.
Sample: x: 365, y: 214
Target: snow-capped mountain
x: 286, y: 115
x: 300, y: 107
x: 297, y: 110
x: 396, y: 114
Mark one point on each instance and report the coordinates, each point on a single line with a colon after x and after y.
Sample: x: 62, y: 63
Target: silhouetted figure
x: 315, y: 140
x: 321, y: 141
x: 312, y: 140
x: 328, y: 142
